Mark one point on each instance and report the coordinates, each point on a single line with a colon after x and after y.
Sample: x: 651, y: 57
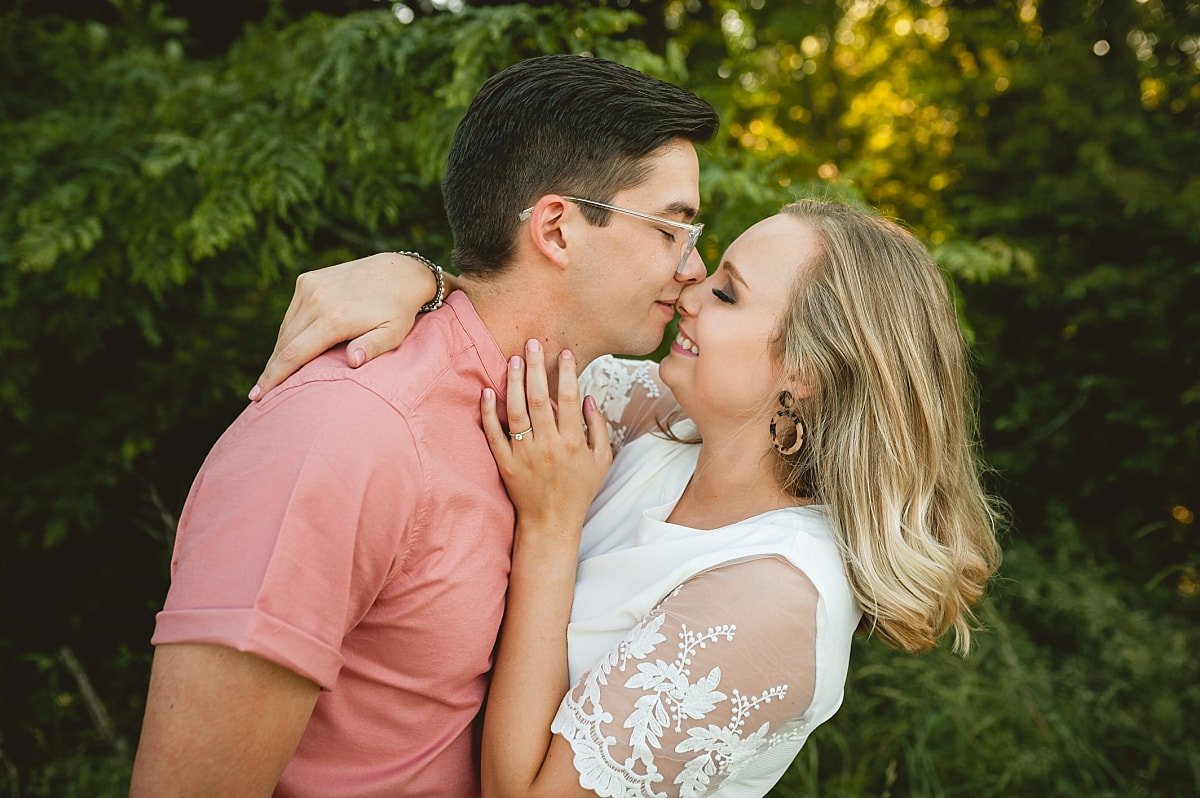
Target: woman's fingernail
x: 255, y: 392
x: 488, y: 395
x: 533, y: 345
x: 566, y: 355
x: 514, y: 362
x: 360, y: 357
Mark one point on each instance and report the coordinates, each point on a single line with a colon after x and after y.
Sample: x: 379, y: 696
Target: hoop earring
x: 787, y: 430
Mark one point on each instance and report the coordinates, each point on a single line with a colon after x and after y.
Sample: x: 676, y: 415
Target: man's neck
x: 514, y: 312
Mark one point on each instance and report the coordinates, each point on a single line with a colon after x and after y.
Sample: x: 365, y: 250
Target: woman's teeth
x: 686, y: 343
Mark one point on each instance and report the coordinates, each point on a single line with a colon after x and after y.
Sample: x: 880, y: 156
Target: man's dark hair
x: 557, y: 124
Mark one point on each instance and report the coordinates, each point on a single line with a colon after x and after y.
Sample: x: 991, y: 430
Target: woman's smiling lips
x: 684, y: 345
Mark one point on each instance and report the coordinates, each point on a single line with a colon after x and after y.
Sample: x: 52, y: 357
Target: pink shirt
x: 352, y: 527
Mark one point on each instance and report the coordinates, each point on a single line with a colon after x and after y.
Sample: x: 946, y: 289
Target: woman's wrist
x: 547, y: 548
x: 552, y: 525
x: 438, y: 276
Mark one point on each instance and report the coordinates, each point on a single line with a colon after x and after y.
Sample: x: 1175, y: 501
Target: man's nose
x: 692, y: 270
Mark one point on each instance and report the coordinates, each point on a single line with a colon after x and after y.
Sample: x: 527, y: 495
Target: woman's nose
x: 689, y: 298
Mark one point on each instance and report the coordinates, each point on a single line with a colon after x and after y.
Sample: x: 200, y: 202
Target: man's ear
x: 546, y: 229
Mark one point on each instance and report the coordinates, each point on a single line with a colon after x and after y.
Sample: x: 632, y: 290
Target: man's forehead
x: 672, y: 184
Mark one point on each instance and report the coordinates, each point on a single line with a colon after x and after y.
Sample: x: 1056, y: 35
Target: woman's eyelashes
x: 727, y: 298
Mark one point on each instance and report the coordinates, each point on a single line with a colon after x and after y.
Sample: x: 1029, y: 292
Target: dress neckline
x: 658, y: 516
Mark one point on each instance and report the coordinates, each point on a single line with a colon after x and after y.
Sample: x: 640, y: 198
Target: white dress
x: 688, y: 675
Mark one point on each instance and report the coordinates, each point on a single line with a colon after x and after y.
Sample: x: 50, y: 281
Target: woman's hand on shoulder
x: 375, y: 298
x: 552, y: 462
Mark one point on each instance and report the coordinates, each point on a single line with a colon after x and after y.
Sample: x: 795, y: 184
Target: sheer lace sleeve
x: 719, y: 673
x: 629, y: 394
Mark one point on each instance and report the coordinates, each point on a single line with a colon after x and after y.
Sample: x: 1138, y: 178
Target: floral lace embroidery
x: 671, y: 699
x: 611, y: 381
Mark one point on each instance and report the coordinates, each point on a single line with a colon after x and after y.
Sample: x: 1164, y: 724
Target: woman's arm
x: 719, y: 674
x: 551, y: 477
x: 732, y: 693
x: 376, y: 298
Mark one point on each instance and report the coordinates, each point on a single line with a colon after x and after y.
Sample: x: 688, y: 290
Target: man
x: 340, y: 567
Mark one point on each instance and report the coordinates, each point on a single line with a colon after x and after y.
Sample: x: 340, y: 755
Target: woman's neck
x: 732, y: 482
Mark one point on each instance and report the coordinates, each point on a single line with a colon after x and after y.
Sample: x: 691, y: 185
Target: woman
x: 715, y: 587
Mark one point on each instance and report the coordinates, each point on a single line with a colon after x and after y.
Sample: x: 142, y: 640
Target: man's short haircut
x: 558, y: 124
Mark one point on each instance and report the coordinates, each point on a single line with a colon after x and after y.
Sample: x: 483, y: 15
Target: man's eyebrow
x: 684, y: 209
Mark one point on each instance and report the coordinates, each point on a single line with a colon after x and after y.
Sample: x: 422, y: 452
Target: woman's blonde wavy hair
x: 890, y: 443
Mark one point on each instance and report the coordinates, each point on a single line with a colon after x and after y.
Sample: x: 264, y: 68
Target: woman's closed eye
x: 724, y: 297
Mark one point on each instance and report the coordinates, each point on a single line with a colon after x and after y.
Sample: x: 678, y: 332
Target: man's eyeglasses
x: 694, y: 230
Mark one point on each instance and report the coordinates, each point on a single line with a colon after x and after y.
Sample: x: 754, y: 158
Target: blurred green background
x: 167, y: 170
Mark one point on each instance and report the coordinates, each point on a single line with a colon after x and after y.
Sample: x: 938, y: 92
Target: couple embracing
x: 799, y: 466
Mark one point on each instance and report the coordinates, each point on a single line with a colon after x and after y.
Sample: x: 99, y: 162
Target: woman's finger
x: 295, y: 346
x: 570, y: 415
x: 299, y: 339
x: 537, y: 391
x: 518, y: 413
x: 497, y: 439
x: 340, y: 302
x: 597, y: 431
x: 373, y: 343
x: 299, y: 294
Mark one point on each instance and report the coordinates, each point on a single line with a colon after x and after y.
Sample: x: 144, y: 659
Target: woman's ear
x: 547, y: 231
x: 799, y: 387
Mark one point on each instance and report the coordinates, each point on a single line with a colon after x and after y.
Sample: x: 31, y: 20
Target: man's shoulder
x: 442, y: 356
x: 448, y: 354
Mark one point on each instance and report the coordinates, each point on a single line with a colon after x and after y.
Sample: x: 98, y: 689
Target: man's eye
x: 669, y: 236
x: 721, y: 295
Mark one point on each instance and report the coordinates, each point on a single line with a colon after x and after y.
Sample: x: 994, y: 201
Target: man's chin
x: 645, y: 346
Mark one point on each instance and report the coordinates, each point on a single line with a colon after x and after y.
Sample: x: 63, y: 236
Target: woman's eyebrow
x: 733, y: 272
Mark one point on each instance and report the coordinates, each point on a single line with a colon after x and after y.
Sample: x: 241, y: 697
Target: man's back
x: 352, y: 528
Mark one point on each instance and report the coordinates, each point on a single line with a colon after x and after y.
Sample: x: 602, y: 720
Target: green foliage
x: 1077, y: 689
x: 1049, y: 155
x: 82, y: 775
x: 1091, y: 362
x: 304, y: 145
x: 155, y: 208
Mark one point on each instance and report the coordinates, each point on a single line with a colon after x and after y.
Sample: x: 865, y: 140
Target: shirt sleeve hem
x: 253, y: 632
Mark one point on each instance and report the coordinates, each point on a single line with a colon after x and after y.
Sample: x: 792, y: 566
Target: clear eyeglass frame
x: 693, y: 230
